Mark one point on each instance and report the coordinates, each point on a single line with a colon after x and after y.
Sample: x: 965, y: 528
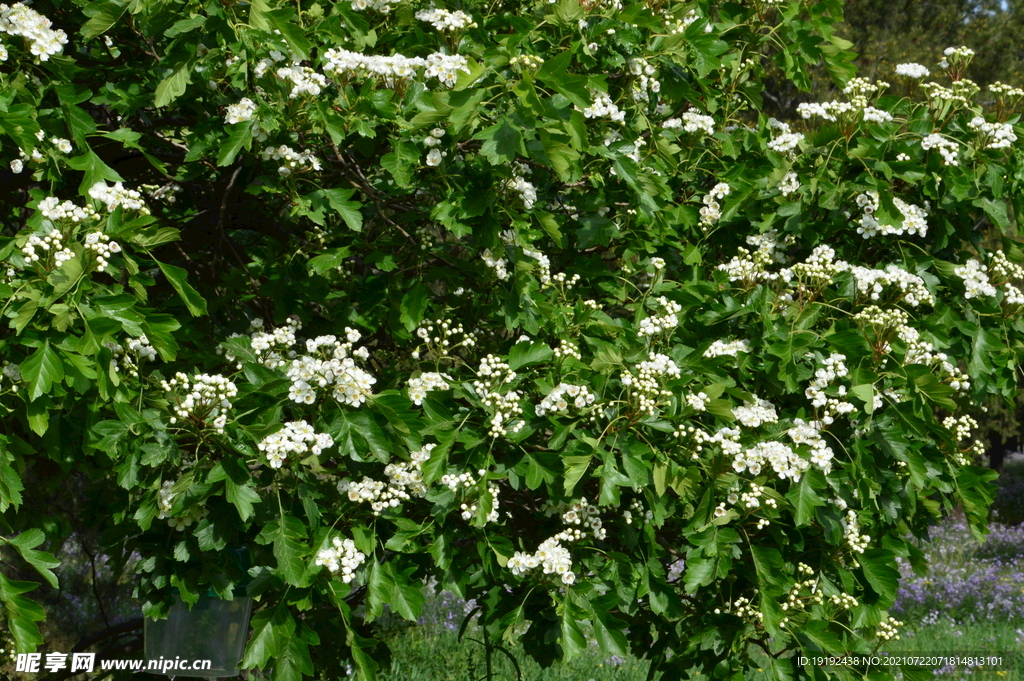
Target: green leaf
x: 239, y: 137
x: 102, y: 15
x: 879, y: 566
x: 176, y: 276
x: 574, y: 643
x: 804, y: 499
x: 523, y: 354
x: 271, y: 630
x: 413, y: 305
x: 284, y: 21
x: 348, y: 210
x: 41, y: 370
x: 21, y: 613
x: 502, y: 142
x: 818, y: 633
x: 173, y: 86
x: 290, y: 550
x: 94, y: 168
x: 10, y: 482
x: 768, y: 563
x: 865, y: 393
x: 243, y: 497
x: 575, y: 467
x: 406, y: 594
x: 43, y: 562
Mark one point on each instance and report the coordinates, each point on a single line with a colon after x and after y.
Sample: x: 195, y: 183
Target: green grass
x: 427, y: 654
x: 947, y: 637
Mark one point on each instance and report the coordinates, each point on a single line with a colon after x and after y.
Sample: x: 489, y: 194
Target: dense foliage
x: 530, y: 298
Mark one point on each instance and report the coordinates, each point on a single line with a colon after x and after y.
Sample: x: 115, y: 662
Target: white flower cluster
x: 644, y: 82
x: 603, y: 106
x: 271, y: 348
x: 694, y: 121
x: 263, y: 65
x: 783, y: 460
x: 786, y: 142
x: 53, y: 210
x: 469, y: 510
x: 947, y: 147
x: 445, y: 67
x: 830, y: 111
x: 873, y: 115
x: 195, y: 514
x: 832, y: 368
x: 744, y: 607
x: 443, y: 20
x: 1003, y: 271
x: 728, y: 439
x: 497, y: 264
x: 527, y: 192
x: 651, y: 326
x: 20, y: 20
x: 341, y: 555
x: 556, y: 400
x: 961, y: 92
x: 528, y: 61
x: 647, y: 383
x: 128, y: 199
x: 206, y: 396
x: 505, y: 406
x: 238, y: 113
x: 330, y: 363
x: 12, y: 372
x: 712, y: 210
x: 382, y: 6
x: 582, y: 513
x: 912, y: 70
x: 815, y: 273
x: 292, y: 160
x: 437, y: 336
x: 851, y: 529
x: 790, y: 183
x: 732, y: 348
x: 139, y: 350
x: 297, y: 437
x: 341, y: 63
x: 405, y: 480
x: 994, y: 135
x: 102, y: 246
x: 753, y: 414
x: 433, y: 140
x: 873, y: 281
x: 923, y: 352
x: 803, y: 433
x: 551, y: 556
x: 567, y: 349
x: 424, y: 383
x: 1003, y: 90
x: 914, y: 217
x: 165, y: 499
x: 697, y: 401
x: 53, y: 241
x: 637, y: 507
x: 961, y: 427
x: 888, y: 631
x: 304, y: 80
x: 975, y: 278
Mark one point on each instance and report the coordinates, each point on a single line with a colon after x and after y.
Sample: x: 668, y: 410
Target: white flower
x: 912, y: 70
x: 243, y: 111
x: 434, y: 157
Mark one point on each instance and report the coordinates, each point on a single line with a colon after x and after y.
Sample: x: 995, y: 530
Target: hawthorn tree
x: 531, y: 298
